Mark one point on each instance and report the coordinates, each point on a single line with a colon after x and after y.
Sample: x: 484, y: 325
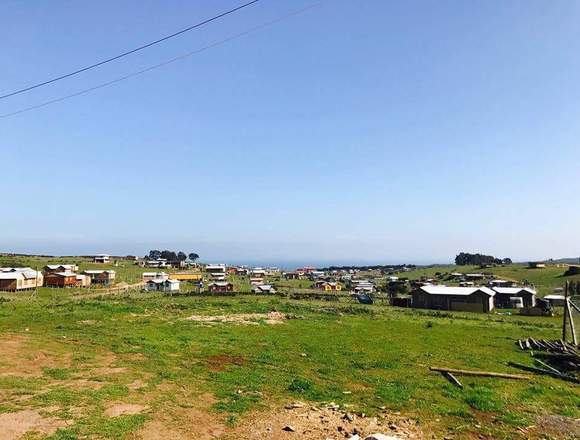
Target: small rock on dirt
x: 379, y: 436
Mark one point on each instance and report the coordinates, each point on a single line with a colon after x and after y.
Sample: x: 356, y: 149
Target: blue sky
x: 359, y: 131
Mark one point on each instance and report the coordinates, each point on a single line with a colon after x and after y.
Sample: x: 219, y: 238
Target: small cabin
x: 162, y: 285
x: 220, y: 286
x: 60, y: 279
x: 103, y: 277
x: 264, y: 288
x: 505, y: 296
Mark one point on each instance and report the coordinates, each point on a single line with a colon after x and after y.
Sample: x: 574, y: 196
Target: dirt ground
x: 18, y: 359
x: 242, y: 318
x: 301, y: 421
x: 177, y: 413
x: 16, y: 424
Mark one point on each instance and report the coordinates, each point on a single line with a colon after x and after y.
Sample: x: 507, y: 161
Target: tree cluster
x: 171, y: 256
x: 465, y: 258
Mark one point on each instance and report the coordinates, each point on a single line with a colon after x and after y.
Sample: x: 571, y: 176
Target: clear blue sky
x: 364, y: 130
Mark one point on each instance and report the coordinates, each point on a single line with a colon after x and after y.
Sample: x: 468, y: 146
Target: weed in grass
x: 513, y: 418
x: 64, y: 434
x: 57, y: 373
x: 300, y: 386
x: 483, y: 398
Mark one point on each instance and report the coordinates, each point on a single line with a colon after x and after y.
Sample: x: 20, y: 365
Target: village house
x: 148, y: 276
x: 474, y: 276
x: 19, y: 278
x: 83, y: 280
x: 217, y: 276
x: 328, y: 286
x: 104, y: 277
x: 220, y: 286
x: 102, y: 258
x: 306, y: 269
x: 466, y: 299
x: 264, y: 288
x: 315, y: 274
x: 60, y: 279
x: 536, y: 265
x: 555, y: 300
x: 258, y: 272
x: 504, y: 295
x: 190, y: 277
x: 362, y: 286
x: 293, y: 275
x: 162, y: 285
x: 157, y: 263
x: 256, y: 281
x: 60, y: 268
x: 501, y: 283
x: 216, y: 269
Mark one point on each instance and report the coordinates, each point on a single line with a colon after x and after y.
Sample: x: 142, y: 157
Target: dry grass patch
x: 15, y: 425
x: 242, y: 318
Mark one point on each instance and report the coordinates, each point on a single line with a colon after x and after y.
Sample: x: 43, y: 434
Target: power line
x: 124, y: 54
x: 165, y: 63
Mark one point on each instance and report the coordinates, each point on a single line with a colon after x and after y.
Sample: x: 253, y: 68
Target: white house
x: 102, y: 258
x: 147, y: 276
x: 216, y: 268
x: 20, y: 278
x: 263, y: 288
x: 162, y: 285
x: 504, y: 295
x: 258, y: 272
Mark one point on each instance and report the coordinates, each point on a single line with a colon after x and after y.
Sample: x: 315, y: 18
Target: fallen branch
x: 480, y: 373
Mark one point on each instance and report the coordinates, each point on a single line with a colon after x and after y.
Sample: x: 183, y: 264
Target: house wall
x: 8, y: 284
x: 57, y: 281
x: 476, y: 302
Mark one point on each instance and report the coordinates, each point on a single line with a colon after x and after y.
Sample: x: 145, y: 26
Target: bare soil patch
x: 105, y: 365
x: 554, y: 426
x: 220, y: 361
x: 179, y: 423
x: 15, y: 425
x: 137, y: 385
x: 311, y: 422
x: 18, y: 358
x: 242, y: 318
x: 122, y: 409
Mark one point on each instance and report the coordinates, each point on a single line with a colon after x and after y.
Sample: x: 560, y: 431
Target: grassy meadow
x: 95, y: 350
x: 131, y: 365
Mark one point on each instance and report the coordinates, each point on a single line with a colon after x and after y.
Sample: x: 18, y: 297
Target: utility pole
x: 565, y: 318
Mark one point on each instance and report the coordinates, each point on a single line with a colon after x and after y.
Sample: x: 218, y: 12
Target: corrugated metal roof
x: 452, y: 290
x: 513, y: 290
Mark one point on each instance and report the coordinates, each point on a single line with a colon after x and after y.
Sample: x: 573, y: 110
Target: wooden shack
x: 60, y: 279
x: 465, y: 299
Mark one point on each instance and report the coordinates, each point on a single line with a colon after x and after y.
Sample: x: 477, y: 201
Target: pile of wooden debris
x: 556, y: 358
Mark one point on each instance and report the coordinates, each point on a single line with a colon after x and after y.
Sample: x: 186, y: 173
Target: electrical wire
x: 165, y: 63
x: 129, y: 52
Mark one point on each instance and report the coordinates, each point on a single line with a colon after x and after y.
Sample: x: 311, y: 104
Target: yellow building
x: 186, y: 276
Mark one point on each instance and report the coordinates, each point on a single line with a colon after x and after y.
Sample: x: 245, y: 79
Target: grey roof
x: 513, y: 290
x: 452, y: 290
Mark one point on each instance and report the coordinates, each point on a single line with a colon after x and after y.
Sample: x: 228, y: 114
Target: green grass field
x: 69, y: 358
x: 365, y: 357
